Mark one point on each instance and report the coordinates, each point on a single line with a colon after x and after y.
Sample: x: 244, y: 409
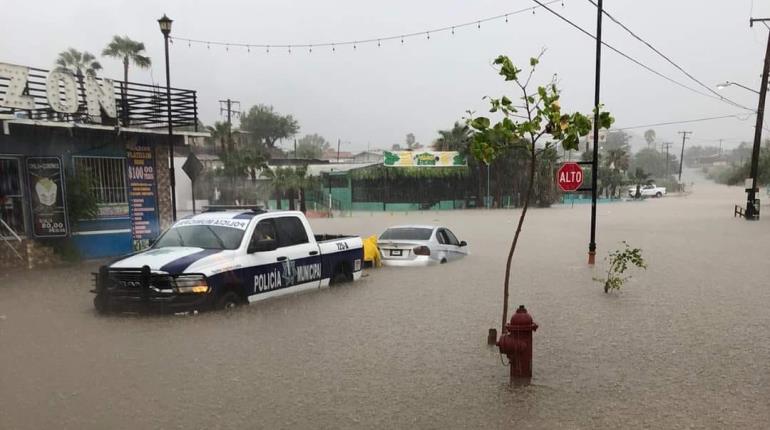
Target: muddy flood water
x: 686, y: 344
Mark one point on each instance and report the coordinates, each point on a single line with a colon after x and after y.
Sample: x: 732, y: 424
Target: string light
x: 355, y: 42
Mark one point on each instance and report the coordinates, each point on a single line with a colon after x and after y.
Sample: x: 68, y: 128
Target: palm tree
x: 130, y: 51
x: 456, y: 139
x: 220, y: 132
x: 80, y: 64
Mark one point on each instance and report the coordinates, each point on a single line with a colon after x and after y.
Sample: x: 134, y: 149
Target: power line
x: 665, y: 57
x: 356, y: 42
x: 687, y: 121
x: 628, y: 57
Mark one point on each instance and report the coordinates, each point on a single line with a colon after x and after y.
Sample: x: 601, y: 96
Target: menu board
x: 142, y: 208
x: 46, y: 188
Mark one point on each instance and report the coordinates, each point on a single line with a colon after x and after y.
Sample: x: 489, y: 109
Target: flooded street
x: 684, y: 345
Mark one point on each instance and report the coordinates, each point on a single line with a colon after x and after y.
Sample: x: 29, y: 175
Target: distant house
x: 337, y: 156
x: 369, y: 157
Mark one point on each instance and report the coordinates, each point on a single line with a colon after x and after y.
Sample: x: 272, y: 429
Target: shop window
x: 109, y: 183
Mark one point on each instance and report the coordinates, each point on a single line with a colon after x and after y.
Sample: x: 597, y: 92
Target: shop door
x: 11, y: 197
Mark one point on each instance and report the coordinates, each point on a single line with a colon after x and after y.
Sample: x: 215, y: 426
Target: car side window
x: 441, y: 237
x: 452, y: 239
x: 291, y: 231
x: 265, y: 230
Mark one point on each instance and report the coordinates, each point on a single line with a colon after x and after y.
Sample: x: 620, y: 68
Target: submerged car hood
x: 173, y: 259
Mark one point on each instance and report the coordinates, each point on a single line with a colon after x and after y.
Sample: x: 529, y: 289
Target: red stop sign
x: 569, y: 177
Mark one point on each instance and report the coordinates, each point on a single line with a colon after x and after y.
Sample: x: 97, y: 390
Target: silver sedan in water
x: 419, y: 245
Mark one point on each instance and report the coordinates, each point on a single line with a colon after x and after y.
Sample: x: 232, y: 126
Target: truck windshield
x: 201, y: 236
x: 407, y: 233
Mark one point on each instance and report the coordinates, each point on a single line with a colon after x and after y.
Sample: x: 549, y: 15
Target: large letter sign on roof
x: 100, y: 96
x: 70, y: 90
x: 14, y: 94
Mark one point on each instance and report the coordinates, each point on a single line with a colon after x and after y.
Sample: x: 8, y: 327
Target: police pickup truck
x: 222, y: 259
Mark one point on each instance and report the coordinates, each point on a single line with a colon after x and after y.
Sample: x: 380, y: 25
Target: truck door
x: 298, y: 255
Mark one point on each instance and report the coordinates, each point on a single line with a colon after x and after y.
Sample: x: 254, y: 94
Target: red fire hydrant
x: 516, y: 343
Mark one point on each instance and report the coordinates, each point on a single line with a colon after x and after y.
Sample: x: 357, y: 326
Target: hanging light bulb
x: 334, y: 49
x: 453, y: 30
x: 478, y: 24
x: 188, y: 44
x: 289, y: 49
x: 402, y: 40
x: 428, y: 33
x: 227, y: 48
x: 506, y: 17
x: 533, y: 11
x: 208, y: 46
x: 248, y: 48
x: 378, y: 43
x: 310, y: 50
x: 267, y: 50
x: 354, y: 45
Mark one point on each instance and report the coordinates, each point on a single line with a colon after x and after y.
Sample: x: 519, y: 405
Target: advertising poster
x: 46, y: 188
x: 142, y: 207
x: 424, y: 159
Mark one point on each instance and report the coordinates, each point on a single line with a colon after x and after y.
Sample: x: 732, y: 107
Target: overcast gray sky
x: 376, y: 95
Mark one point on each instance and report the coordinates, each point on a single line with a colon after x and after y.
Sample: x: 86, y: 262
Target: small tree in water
x: 535, y: 124
x: 619, y: 260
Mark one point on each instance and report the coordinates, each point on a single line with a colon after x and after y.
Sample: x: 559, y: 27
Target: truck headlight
x: 191, y: 284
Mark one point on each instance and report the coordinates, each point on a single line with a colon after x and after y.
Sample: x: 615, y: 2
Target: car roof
x: 432, y: 227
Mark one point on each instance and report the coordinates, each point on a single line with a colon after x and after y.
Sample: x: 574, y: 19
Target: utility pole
x: 595, y: 161
x: 226, y: 106
x: 681, y: 156
x: 339, y: 141
x: 295, y: 148
x: 750, y: 213
x: 720, y: 147
x: 667, y: 145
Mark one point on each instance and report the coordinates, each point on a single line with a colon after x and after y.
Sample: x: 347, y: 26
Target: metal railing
x: 14, y: 235
x: 138, y: 105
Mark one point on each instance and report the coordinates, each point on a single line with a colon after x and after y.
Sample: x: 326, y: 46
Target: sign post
x: 569, y: 177
x: 193, y: 167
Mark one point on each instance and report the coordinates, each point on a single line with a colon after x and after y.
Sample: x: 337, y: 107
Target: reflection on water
x: 685, y: 344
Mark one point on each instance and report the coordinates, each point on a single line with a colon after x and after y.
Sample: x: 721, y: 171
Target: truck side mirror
x: 463, y: 243
x: 262, y: 246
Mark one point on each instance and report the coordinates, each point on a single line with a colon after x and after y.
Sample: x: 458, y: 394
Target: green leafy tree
x: 82, y: 203
x: 80, y: 64
x: 266, y: 127
x: 312, y: 146
x: 536, y: 126
x: 128, y: 51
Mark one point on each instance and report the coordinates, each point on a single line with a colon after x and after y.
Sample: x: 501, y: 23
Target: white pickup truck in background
x: 222, y: 259
x: 649, y: 190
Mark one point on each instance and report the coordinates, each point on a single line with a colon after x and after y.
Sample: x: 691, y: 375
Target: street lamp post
x: 165, y: 28
x: 726, y: 84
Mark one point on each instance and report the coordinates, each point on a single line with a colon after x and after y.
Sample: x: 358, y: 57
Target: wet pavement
x: 685, y: 345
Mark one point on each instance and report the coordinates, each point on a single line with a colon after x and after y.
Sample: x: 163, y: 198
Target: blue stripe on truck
x: 330, y: 261
x: 180, y: 264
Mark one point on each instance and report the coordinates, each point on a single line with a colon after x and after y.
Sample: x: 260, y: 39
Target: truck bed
x: 329, y: 237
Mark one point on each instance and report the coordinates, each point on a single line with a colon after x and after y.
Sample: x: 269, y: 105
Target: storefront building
x: 67, y: 143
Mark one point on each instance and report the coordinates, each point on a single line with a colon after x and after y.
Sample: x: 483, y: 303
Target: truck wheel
x: 229, y: 301
x: 340, y: 276
x: 100, y: 303
x: 443, y: 261
x: 658, y: 194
